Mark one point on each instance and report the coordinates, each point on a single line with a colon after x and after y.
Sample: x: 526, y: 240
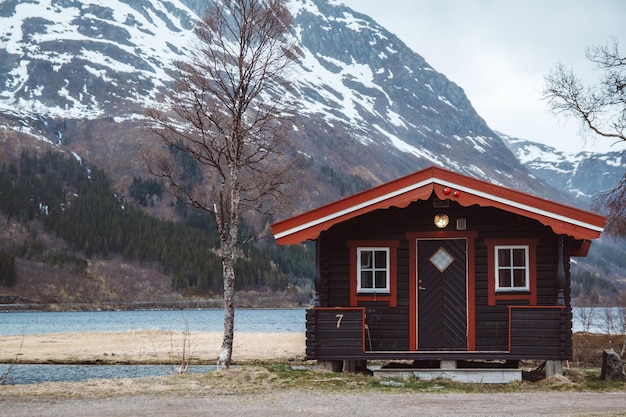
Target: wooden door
x: 442, y: 294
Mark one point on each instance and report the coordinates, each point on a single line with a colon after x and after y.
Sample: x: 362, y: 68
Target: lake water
x: 203, y: 320
x: 35, y: 374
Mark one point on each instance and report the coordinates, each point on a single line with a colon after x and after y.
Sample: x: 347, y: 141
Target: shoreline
x: 196, y: 304
x: 149, y: 347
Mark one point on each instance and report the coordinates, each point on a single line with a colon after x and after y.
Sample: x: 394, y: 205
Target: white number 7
x: 339, y: 317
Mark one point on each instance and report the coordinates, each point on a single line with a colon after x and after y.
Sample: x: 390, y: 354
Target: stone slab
x: 470, y: 376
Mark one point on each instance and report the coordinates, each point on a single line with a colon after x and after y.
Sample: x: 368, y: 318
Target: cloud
x: 500, y: 51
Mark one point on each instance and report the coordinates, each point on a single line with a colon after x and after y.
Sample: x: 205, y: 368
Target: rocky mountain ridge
x: 584, y: 175
x: 370, y: 109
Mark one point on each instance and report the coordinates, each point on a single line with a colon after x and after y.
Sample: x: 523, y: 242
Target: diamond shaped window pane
x: 442, y: 259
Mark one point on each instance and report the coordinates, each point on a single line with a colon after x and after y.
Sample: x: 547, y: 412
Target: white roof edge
x: 353, y: 208
x: 430, y: 181
x: 528, y: 208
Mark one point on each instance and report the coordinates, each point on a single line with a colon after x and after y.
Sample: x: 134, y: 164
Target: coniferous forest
x: 78, y: 205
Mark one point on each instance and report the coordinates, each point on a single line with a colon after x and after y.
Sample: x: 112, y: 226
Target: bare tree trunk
x: 228, y: 226
x: 621, y: 317
x: 226, y: 352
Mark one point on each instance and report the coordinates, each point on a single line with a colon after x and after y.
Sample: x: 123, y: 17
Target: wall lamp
x: 441, y: 220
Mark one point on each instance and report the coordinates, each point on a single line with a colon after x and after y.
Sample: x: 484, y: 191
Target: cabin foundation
x: 468, y: 376
x: 452, y: 371
x: 332, y: 366
x: 457, y: 371
x: 554, y: 368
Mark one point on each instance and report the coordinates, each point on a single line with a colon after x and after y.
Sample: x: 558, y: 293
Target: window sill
x: 380, y: 297
x: 366, y: 293
x: 528, y: 296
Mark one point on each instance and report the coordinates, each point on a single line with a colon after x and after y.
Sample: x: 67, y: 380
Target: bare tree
x: 614, y: 326
x: 619, y: 323
x: 600, y: 109
x: 228, y: 111
x: 585, y: 312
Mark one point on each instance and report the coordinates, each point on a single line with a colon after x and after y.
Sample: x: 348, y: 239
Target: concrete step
x: 465, y: 375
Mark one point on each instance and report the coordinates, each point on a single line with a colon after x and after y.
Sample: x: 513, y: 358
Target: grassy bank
x: 270, y: 378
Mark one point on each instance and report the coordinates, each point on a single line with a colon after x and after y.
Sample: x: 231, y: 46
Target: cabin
x: 443, y: 272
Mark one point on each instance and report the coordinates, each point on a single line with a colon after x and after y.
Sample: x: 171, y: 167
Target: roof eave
x: 579, y: 224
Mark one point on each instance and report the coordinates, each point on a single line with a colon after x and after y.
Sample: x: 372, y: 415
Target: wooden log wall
x: 388, y: 327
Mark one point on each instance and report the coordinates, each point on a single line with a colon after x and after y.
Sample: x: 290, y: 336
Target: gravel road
x: 317, y: 403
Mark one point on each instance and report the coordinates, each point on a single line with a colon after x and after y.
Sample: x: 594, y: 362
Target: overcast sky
x: 499, y: 51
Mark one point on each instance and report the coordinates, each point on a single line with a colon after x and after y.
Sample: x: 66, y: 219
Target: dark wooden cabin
x: 438, y: 266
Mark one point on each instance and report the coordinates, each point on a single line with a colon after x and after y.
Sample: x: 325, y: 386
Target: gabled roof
x: 467, y: 191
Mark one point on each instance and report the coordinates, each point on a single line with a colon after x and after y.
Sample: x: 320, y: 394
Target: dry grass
x: 588, y: 348
x: 261, y: 379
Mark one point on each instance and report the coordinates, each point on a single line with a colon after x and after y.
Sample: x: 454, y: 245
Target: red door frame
x: 471, y: 299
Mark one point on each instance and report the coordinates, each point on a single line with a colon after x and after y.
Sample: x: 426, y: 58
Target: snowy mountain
x: 76, y: 75
x: 584, y: 175
x: 79, y: 59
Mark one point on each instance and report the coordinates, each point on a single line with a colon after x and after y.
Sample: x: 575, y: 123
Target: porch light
x: 441, y: 220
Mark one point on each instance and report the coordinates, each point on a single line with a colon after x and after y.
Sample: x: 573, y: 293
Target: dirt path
x: 298, y: 403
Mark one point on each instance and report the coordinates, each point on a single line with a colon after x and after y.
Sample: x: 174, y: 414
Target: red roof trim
x: 465, y: 190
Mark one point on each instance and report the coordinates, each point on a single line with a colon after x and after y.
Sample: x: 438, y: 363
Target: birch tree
x: 228, y: 111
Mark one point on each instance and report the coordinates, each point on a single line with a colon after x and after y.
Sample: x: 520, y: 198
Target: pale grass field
x: 149, y: 346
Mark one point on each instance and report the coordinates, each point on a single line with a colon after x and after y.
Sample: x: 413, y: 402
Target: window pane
x: 366, y: 279
x: 519, y: 257
x: 381, y: 259
x: 504, y: 257
x: 381, y: 279
x: 519, y: 278
x: 366, y: 259
x: 504, y: 278
x: 373, y: 270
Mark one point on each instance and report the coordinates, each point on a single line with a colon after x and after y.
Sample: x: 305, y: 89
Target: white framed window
x: 512, y: 268
x: 373, y: 270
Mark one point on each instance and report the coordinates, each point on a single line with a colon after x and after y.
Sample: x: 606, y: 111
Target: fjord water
x: 20, y: 374
x: 202, y: 320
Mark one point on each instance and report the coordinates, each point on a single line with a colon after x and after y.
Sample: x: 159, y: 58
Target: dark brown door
x: 442, y: 294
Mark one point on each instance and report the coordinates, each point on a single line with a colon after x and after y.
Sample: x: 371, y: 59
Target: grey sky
x: 499, y: 51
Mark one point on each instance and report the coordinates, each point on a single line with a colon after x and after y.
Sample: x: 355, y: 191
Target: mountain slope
x: 390, y: 105
x: 79, y: 59
x: 370, y: 109
x: 583, y: 175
